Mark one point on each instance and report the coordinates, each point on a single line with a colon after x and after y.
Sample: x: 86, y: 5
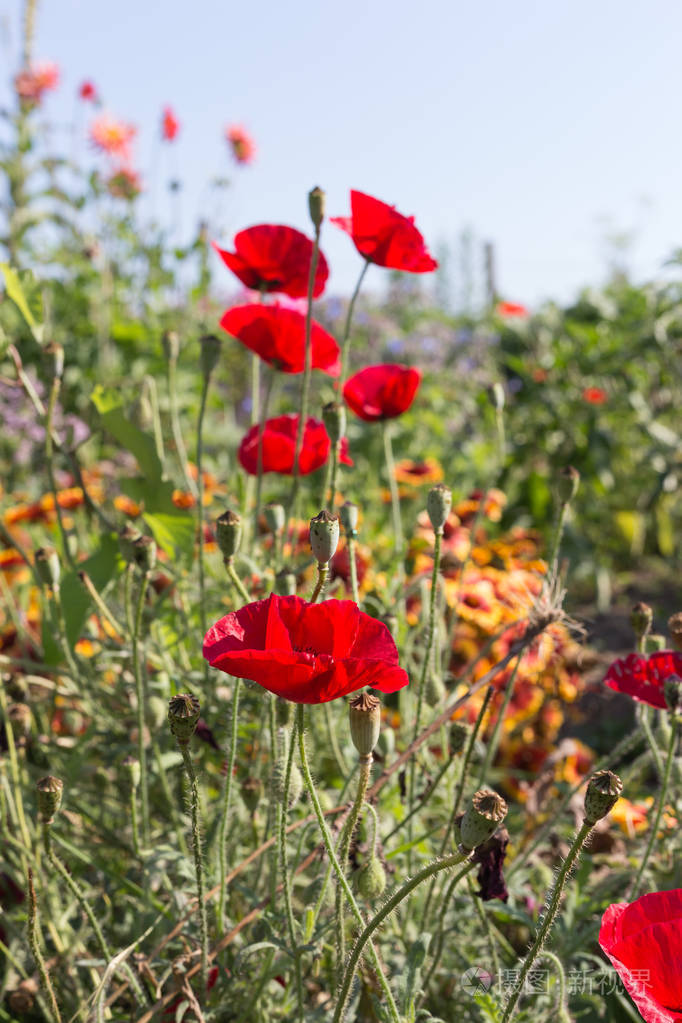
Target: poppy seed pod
x: 285, y: 583
x: 675, y: 630
x: 126, y: 542
x: 349, y: 513
x: 370, y: 880
x: 364, y: 715
x: 49, y: 791
x: 252, y: 792
x: 316, y: 205
x: 641, y: 618
x: 54, y: 359
x: 603, y: 792
x: 438, y: 505
x: 145, y: 553
x: 672, y: 691
x: 324, y: 536
x: 482, y: 817
x: 568, y: 481
x: 275, y: 517
x: 210, y: 353
x: 170, y: 342
x: 47, y: 566
x: 334, y: 419
x: 183, y: 714
x: 229, y: 534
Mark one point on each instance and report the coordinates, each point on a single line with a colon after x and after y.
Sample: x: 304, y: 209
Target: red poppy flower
x: 643, y: 940
x: 278, y: 447
x: 88, y: 92
x: 511, y: 309
x: 643, y: 678
x: 273, y: 257
x: 242, y: 145
x: 170, y: 126
x: 384, y: 236
x: 595, y: 395
x: 381, y: 392
x: 277, y: 334
x: 307, y: 653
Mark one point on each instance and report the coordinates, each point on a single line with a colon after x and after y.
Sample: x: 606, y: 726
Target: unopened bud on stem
x: 229, y: 534
x: 438, y: 505
x: 641, y: 618
x: 170, y: 342
x: 275, y: 517
x: 675, y: 630
x: 324, y: 536
x: 603, y: 792
x: 210, y: 353
x: 183, y: 714
x: 364, y: 715
x: 49, y: 791
x: 349, y: 513
x: 334, y: 419
x: 316, y: 205
x: 568, y: 481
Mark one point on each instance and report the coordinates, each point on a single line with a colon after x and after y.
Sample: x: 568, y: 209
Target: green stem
x: 198, y: 860
x: 322, y: 575
x: 49, y: 465
x: 97, y: 599
x: 406, y: 889
x: 269, y: 381
x: 422, y: 801
x: 283, y: 811
x: 175, y: 426
x: 342, y: 880
x: 66, y: 646
x: 558, y: 536
x: 225, y: 811
x: 562, y: 1011
x: 352, y: 567
x: 345, y: 343
x: 393, y: 486
x: 440, y: 931
x: 547, y: 919
x: 643, y: 717
x: 35, y: 948
x: 200, y: 503
x: 236, y: 581
x: 485, y: 924
x: 662, y: 796
x: 141, y: 697
x: 344, y: 849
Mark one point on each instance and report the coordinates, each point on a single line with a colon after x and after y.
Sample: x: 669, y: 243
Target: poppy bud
x: 497, y: 397
x: 145, y: 553
x: 482, y: 817
x: 316, y: 205
x: 672, y: 690
x: 183, y: 714
x: 47, y: 566
x: 435, y: 690
x: 126, y: 542
x: 438, y: 505
x: 641, y: 618
x: 568, y: 481
x: 170, y: 342
x: 275, y: 517
x: 675, y: 630
x: 371, y: 879
x: 49, y: 791
x: 459, y: 733
x: 386, y: 742
x: 324, y: 536
x: 603, y: 792
x: 653, y: 642
x: 348, y: 513
x: 132, y: 766
x: 229, y: 534
x: 210, y: 353
x: 334, y: 419
x: 282, y: 711
x: 19, y: 715
x: 285, y: 583
x: 295, y: 781
x: 364, y: 715
x: 252, y: 791
x: 54, y: 360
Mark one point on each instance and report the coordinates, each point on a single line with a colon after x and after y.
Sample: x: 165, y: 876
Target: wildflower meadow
x: 340, y: 635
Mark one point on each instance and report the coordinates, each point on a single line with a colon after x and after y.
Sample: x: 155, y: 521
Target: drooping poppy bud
x: 252, y: 792
x: 371, y: 879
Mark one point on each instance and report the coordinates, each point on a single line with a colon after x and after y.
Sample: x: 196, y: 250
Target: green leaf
x: 15, y: 291
x: 173, y: 532
x: 101, y: 567
x: 109, y: 404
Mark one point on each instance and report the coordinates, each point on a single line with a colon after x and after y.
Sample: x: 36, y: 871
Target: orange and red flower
x: 170, y: 126
x: 643, y: 678
x: 306, y: 653
x: 277, y: 443
x: 242, y: 145
x: 381, y: 392
x: 112, y: 137
x: 595, y: 395
x: 277, y: 334
x: 511, y: 310
x: 384, y: 236
x: 32, y: 82
x: 274, y: 257
x: 643, y: 939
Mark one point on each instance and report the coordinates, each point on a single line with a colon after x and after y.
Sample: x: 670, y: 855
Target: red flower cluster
x: 384, y: 236
x: 381, y: 392
x: 242, y: 145
x: 277, y: 445
x: 277, y: 334
x: 643, y: 678
x: 511, y: 310
x: 170, y: 126
x: 307, y: 653
x: 643, y: 940
x: 88, y: 92
x: 273, y: 257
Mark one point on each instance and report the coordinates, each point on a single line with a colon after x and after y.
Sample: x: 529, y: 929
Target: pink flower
x: 112, y: 137
x: 170, y: 126
x: 88, y: 92
x: 32, y: 82
x: 243, y: 146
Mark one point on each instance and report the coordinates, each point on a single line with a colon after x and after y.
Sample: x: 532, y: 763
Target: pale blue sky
x: 527, y: 121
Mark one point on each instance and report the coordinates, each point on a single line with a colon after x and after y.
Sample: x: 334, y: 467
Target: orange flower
x: 242, y: 145
x: 595, y: 395
x: 112, y: 137
x: 32, y: 82
x: 418, y: 474
x: 127, y: 506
